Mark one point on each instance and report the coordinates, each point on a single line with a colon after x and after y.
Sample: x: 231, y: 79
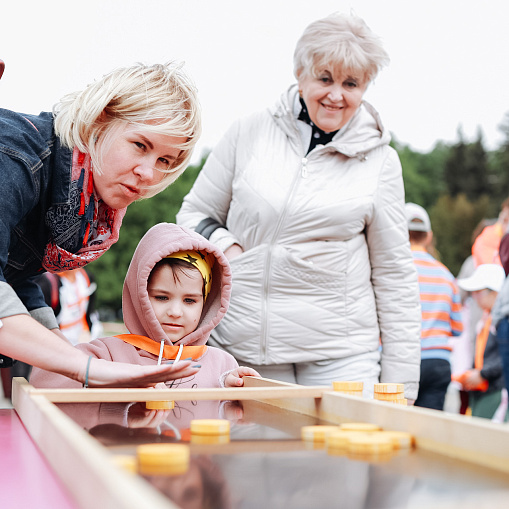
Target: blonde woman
x: 67, y: 178
x: 306, y: 199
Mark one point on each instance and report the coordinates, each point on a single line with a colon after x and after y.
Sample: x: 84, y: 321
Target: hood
x: 160, y: 241
x: 363, y: 132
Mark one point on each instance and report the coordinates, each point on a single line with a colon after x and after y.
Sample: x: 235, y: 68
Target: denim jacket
x: 35, y: 174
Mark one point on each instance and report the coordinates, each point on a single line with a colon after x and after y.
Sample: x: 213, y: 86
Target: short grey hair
x: 341, y: 42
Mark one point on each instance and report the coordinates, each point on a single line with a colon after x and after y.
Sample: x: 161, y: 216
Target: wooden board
x: 81, y: 462
x: 132, y: 395
x: 472, y: 439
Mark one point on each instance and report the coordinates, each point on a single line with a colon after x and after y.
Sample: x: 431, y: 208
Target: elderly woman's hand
x: 233, y: 251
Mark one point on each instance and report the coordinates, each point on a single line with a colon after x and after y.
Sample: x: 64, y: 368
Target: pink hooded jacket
x: 160, y: 241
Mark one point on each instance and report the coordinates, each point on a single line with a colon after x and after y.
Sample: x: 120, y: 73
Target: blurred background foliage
x: 460, y: 185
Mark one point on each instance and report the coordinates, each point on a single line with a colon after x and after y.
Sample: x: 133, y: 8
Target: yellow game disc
x: 210, y: 427
x: 347, y: 386
x: 162, y: 459
x: 316, y: 433
x: 210, y: 439
x: 359, y: 426
x: 389, y: 388
x: 402, y: 401
x: 400, y: 439
x: 374, y: 457
x: 368, y: 444
x: 128, y: 463
x: 388, y: 396
x: 160, y: 405
x: 339, y: 439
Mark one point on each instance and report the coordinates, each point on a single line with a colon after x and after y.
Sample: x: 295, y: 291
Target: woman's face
x: 131, y: 160
x: 332, y: 98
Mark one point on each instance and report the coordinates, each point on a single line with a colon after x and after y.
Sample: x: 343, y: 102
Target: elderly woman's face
x: 331, y: 98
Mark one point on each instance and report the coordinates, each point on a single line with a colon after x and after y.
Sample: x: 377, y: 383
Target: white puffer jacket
x: 326, y: 271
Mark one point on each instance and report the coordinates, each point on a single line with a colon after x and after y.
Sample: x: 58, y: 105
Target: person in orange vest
x: 71, y: 294
x: 486, y: 246
x: 485, y: 381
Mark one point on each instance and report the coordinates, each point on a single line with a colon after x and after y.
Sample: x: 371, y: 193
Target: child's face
x: 177, y: 304
x: 485, y: 298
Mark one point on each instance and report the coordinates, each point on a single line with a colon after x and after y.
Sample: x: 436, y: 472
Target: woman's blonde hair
x: 339, y: 42
x: 158, y: 98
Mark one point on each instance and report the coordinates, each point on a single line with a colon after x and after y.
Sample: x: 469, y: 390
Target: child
x: 485, y: 381
x: 440, y: 308
x: 176, y: 290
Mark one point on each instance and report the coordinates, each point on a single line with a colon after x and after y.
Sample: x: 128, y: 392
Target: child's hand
x: 472, y: 379
x: 234, y: 378
x: 140, y: 417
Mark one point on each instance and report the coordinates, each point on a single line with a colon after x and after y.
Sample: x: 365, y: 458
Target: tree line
x: 459, y: 184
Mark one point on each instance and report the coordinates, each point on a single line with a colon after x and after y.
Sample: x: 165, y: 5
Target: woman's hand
x: 118, y: 374
x: 233, y: 251
x: 235, y: 377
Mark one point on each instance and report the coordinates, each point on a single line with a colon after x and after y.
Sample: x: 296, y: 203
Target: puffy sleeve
x: 211, y: 194
x: 394, y: 279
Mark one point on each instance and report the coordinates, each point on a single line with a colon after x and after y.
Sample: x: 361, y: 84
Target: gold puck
x: 389, y: 387
x: 210, y: 427
x: 347, y: 386
x: 162, y: 459
x: 368, y: 444
x: 316, y: 433
x: 160, y: 405
x: 360, y: 426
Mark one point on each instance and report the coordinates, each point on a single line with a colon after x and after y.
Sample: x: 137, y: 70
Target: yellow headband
x: 203, y: 261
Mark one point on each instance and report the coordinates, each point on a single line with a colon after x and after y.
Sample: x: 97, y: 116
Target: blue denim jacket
x: 35, y: 174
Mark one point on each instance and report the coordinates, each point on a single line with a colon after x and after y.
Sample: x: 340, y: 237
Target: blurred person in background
x: 440, y: 308
x: 485, y: 380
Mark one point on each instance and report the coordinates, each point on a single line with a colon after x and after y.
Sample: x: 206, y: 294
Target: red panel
x: 26, y: 479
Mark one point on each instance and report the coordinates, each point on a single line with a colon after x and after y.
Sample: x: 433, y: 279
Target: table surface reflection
x: 266, y: 465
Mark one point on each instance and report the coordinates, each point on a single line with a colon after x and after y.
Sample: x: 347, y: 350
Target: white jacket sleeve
x: 211, y: 194
x: 395, y: 283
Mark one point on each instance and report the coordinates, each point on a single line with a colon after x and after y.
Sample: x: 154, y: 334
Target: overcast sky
x: 449, y: 58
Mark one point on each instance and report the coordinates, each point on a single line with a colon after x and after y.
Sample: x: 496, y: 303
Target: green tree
x: 453, y: 220
x: 466, y: 168
x: 499, y: 163
x: 423, y: 174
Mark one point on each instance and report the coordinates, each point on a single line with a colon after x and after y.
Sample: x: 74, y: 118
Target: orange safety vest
x: 480, y: 346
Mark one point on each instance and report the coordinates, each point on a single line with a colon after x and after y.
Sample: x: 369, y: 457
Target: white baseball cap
x: 417, y: 218
x: 487, y: 275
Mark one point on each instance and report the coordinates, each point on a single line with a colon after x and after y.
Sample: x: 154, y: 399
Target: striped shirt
x: 440, y: 305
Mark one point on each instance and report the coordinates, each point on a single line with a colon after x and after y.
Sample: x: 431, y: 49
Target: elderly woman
x: 66, y: 179
x: 307, y: 201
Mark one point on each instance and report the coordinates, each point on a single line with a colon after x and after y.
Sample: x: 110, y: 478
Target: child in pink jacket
x: 176, y: 290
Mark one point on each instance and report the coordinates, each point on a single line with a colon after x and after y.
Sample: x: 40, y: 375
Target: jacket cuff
x: 222, y: 378
x: 223, y: 239
x: 45, y: 316
x: 411, y: 390
x: 10, y: 303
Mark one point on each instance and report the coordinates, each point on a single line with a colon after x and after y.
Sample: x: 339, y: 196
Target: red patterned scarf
x: 99, y: 224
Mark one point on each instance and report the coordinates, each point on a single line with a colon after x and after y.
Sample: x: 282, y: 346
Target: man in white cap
x: 486, y: 380
x: 440, y: 309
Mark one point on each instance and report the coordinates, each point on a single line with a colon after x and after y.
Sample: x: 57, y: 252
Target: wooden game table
x: 457, y: 461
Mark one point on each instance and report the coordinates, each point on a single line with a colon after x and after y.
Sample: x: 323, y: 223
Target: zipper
x: 304, y: 169
x: 301, y: 173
